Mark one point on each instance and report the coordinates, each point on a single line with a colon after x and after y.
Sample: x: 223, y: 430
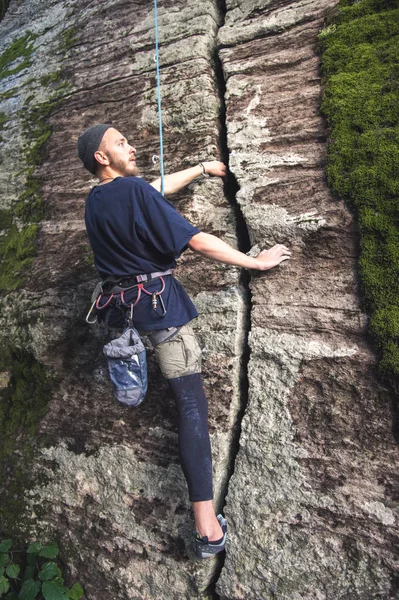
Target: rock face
x: 312, y: 502
x: 311, y: 496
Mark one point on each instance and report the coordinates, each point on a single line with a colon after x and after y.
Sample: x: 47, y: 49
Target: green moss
x: 24, y: 401
x: 5, y: 219
x: 37, y: 128
x: 6, y: 95
x: 68, y: 38
x: 18, y: 250
x: 3, y: 121
x: 22, y: 49
x: 351, y: 10
x: 55, y: 77
x: 22, y: 404
x: 360, y: 65
x: 17, y: 245
x: 30, y: 206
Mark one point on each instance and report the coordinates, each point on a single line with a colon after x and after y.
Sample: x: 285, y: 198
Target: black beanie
x: 88, y: 144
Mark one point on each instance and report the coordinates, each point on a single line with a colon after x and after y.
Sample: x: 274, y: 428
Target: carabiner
x: 130, y: 319
x: 154, y: 304
x: 89, y: 313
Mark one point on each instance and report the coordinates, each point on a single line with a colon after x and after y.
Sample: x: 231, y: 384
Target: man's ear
x: 101, y: 157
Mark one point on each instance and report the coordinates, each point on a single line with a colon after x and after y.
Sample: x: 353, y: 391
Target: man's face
x: 121, y: 156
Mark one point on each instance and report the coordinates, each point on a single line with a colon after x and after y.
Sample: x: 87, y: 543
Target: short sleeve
x: 162, y: 225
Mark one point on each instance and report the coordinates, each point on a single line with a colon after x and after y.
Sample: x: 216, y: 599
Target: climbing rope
x: 159, y: 99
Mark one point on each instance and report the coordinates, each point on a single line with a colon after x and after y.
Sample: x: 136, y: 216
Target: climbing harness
x: 111, y: 293
x: 140, y: 287
x: 126, y: 355
x: 154, y: 158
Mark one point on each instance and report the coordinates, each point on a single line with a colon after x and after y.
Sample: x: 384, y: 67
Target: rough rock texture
x: 312, y: 504
x: 114, y: 489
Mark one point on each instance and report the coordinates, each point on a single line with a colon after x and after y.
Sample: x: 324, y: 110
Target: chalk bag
x: 127, y: 367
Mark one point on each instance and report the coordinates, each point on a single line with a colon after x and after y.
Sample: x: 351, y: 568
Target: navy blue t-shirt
x: 133, y: 230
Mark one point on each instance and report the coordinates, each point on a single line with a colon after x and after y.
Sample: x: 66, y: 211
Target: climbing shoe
x: 203, y: 548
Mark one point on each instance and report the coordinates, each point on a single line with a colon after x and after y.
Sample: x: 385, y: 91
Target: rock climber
x: 136, y: 235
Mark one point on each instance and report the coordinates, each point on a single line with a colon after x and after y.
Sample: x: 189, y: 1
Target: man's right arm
x: 176, y: 181
x: 216, y: 249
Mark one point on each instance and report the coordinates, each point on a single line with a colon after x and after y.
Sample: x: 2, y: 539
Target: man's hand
x: 215, y: 168
x: 267, y: 259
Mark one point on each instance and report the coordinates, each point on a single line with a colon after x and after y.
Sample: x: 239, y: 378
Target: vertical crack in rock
x: 312, y: 387
x: 230, y: 188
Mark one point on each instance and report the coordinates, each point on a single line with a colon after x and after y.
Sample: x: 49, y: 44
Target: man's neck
x: 107, y: 175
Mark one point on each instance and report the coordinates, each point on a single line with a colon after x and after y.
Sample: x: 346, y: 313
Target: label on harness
x: 127, y: 365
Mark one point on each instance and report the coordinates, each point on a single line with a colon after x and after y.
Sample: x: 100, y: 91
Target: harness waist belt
x: 149, y: 276
x: 116, y: 285
x: 119, y: 285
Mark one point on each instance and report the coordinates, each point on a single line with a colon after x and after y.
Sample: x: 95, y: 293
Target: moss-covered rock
x: 24, y: 394
x: 17, y: 56
x: 3, y: 121
x: 360, y: 63
x: 17, y: 248
x: 22, y: 215
x: 17, y: 244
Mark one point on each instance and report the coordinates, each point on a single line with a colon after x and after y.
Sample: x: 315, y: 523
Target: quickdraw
x: 154, y: 295
x: 102, y: 306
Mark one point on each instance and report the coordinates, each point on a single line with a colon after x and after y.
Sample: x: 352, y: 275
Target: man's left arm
x: 176, y: 181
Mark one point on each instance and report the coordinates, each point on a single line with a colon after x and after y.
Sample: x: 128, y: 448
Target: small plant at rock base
x: 41, y: 578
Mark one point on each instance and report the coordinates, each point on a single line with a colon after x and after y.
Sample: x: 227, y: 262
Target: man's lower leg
x: 195, y: 452
x: 206, y: 522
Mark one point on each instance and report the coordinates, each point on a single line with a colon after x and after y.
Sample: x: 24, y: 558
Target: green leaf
x: 49, y: 551
x: 4, y: 585
x: 13, y: 571
x: 4, y: 559
x: 48, y: 571
x: 76, y: 592
x: 29, y: 572
x: 29, y: 590
x: 12, y: 596
x: 53, y: 591
x: 31, y: 559
x: 5, y: 545
x: 34, y: 548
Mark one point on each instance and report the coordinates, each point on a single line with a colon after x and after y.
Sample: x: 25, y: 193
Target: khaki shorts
x: 181, y: 355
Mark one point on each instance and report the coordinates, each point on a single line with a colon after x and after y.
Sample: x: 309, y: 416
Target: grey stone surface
x: 113, y: 489
x: 312, y: 504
